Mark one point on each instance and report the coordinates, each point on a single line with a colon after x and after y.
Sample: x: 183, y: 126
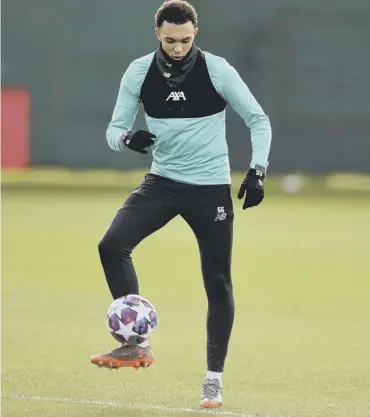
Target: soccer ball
x: 131, y: 319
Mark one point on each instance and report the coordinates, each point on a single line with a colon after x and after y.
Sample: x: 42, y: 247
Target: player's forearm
x: 260, y: 129
x: 122, y: 121
x: 114, y: 137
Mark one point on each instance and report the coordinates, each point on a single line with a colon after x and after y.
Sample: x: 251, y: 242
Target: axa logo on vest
x: 176, y: 96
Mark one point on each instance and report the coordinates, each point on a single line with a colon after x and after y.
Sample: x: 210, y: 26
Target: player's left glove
x: 253, y: 187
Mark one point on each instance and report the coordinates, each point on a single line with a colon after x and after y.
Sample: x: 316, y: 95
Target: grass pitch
x: 300, y: 345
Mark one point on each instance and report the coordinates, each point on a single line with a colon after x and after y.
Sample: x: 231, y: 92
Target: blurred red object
x: 15, y: 127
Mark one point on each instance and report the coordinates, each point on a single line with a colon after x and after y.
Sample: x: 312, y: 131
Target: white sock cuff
x: 214, y: 375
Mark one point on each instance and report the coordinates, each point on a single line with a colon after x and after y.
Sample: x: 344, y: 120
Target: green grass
x: 300, y: 345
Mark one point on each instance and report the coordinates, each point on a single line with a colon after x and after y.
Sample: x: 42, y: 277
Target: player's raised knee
x: 109, y: 246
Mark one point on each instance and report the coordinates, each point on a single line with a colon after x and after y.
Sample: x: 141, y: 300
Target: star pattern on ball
x: 142, y: 311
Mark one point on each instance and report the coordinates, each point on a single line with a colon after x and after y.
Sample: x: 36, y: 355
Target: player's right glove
x: 138, y: 140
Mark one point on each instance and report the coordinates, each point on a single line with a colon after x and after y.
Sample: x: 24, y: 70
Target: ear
x: 158, y: 33
x: 195, y: 32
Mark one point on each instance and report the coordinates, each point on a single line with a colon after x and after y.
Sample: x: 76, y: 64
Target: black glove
x: 138, y: 140
x: 253, y: 187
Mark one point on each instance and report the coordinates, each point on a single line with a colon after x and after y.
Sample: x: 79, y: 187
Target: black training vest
x: 194, y: 97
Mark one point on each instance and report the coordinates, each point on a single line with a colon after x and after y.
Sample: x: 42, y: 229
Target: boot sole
x: 113, y: 363
x: 211, y: 404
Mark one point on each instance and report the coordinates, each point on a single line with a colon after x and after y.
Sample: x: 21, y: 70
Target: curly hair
x: 176, y: 11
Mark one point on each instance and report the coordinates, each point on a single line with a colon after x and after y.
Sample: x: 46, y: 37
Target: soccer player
x: 184, y: 92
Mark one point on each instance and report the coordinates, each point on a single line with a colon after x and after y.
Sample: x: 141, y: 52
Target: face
x: 176, y: 39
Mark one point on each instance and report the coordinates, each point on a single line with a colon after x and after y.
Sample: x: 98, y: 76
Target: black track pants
x: 209, y: 212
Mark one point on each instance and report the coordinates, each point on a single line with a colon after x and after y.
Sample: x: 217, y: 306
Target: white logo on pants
x: 221, y: 215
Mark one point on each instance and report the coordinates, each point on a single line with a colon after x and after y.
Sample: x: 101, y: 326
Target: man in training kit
x: 184, y: 92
